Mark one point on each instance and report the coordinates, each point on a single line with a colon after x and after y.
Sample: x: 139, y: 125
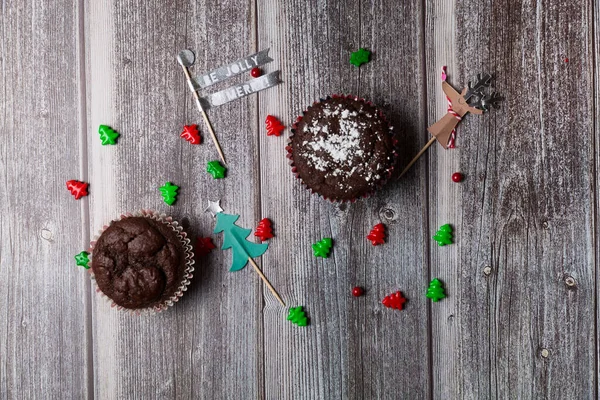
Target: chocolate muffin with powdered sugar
x: 342, y: 148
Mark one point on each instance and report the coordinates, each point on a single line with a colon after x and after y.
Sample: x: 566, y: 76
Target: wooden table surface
x: 520, y: 319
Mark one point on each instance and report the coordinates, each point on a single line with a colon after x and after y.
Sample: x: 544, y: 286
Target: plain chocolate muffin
x: 342, y: 148
x: 138, y: 262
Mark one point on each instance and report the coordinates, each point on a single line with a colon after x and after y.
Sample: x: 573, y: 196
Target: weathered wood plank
x: 43, y: 296
x: 354, y: 348
x: 596, y: 58
x: 208, y: 345
x: 525, y: 208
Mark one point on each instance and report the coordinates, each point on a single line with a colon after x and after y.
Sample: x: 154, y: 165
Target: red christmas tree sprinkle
x: 190, y: 133
x: 274, y: 126
x: 377, y: 235
x: 264, y: 230
x: 204, y: 246
x: 77, y: 188
x: 394, y: 300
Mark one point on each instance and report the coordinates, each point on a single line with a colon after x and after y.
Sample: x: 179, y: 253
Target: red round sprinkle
x: 457, y: 177
x: 358, y: 291
x: 566, y: 60
x: 255, y: 72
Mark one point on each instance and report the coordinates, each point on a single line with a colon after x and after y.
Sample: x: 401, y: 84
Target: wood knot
x: 388, y: 214
x: 545, y: 225
x: 47, y: 235
x: 570, y: 281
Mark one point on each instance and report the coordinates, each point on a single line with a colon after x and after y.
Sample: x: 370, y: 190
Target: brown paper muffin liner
x: 389, y: 171
x: 189, y: 262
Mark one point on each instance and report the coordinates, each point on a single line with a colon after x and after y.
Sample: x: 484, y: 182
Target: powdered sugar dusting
x: 338, y: 142
x: 342, y: 148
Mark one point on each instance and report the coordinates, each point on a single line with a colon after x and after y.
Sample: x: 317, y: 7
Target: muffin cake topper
x: 472, y: 99
x: 186, y: 59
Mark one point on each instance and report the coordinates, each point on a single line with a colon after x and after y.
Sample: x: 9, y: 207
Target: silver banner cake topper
x: 233, y: 69
x: 186, y: 59
x: 228, y: 71
x: 239, y: 91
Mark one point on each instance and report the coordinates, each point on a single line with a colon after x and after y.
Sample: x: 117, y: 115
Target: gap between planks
x: 84, y: 176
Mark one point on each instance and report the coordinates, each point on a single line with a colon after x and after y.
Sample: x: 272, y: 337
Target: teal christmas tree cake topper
x: 234, y: 238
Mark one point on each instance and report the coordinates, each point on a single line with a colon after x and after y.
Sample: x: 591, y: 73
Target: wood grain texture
x: 525, y: 209
x: 43, y: 313
x: 596, y: 60
x: 209, y: 345
x: 354, y: 348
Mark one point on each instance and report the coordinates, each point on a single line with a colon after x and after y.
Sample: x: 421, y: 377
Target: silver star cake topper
x: 214, y: 207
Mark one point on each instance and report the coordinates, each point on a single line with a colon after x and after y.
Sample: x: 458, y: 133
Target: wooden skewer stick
x: 414, y: 160
x: 264, y: 278
x: 184, y: 60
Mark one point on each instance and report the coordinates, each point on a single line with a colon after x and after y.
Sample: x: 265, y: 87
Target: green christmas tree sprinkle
x: 107, y: 135
x: 322, y: 247
x: 216, y: 169
x: 82, y: 259
x: 169, y: 192
x: 444, y: 235
x: 298, y: 316
x: 360, y: 57
x: 435, y: 291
